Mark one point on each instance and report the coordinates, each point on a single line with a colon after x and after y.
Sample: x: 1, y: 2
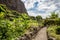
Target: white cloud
x: 46, y: 5
x: 45, y: 15
x: 29, y: 3
x: 31, y: 13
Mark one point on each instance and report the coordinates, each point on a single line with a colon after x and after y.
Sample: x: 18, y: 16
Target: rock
x: 17, y: 5
x: 31, y: 34
x: 51, y: 38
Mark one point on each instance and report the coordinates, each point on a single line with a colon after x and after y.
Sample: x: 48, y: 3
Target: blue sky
x: 42, y: 7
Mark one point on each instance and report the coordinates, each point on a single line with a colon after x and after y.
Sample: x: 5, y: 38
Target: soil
x: 41, y: 35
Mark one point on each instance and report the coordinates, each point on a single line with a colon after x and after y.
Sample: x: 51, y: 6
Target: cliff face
x: 17, y: 5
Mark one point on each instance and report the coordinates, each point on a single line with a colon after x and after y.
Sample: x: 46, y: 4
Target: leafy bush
x: 53, y: 30
x: 38, y: 18
x: 53, y: 19
x: 58, y: 31
x: 13, y: 24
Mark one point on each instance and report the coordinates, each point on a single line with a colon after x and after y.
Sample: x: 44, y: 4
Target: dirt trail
x: 41, y: 35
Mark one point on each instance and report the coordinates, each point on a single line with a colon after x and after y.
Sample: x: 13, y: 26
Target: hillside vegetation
x: 14, y: 24
x: 53, y: 26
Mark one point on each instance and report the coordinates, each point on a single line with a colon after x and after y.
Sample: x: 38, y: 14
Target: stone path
x: 41, y: 35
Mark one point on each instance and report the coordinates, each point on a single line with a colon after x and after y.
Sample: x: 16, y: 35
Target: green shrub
x: 53, y: 31
x: 13, y: 24
x: 58, y: 31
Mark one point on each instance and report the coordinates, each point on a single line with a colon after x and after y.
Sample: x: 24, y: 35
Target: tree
x: 53, y: 15
x: 32, y: 17
x: 38, y: 18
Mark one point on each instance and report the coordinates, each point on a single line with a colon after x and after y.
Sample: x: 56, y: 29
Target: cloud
x: 44, y: 6
x: 29, y: 3
x: 31, y: 13
x: 41, y: 7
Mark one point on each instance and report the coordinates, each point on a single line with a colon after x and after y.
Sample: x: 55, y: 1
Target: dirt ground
x: 41, y: 35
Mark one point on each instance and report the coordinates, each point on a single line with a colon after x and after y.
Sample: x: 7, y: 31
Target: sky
x: 41, y: 7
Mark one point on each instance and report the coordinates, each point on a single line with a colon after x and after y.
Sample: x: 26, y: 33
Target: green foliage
x: 54, y: 25
x: 14, y: 24
x: 32, y: 17
x: 38, y: 18
x: 53, y: 30
x: 58, y: 31
x: 52, y: 20
x: 53, y: 15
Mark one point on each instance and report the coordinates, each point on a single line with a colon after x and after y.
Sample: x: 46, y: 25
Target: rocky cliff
x: 17, y: 5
